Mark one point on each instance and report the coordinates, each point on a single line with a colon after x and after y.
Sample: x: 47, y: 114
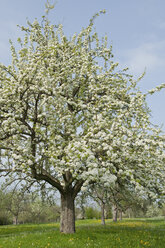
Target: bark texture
x: 67, y: 224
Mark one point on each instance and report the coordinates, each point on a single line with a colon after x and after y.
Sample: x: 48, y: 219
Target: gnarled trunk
x: 67, y: 224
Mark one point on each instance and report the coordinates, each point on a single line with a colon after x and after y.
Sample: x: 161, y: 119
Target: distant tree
x: 5, y: 216
x: 15, y: 205
x: 92, y: 213
x: 153, y: 211
x: 81, y: 202
x: 100, y: 194
x: 20, y: 207
x: 69, y: 118
x: 163, y: 210
x: 122, y: 197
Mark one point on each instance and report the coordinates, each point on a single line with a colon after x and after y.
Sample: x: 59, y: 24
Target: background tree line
x: 19, y: 207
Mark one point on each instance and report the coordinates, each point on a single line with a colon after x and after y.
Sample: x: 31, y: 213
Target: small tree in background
x: 68, y: 117
x: 20, y: 207
x: 81, y: 202
x: 5, y: 216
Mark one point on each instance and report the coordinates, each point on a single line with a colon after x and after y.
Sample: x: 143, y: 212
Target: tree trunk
x: 103, y: 213
x: 67, y: 224
x: 15, y: 220
x: 129, y: 213
x: 121, y: 215
x: 114, y: 212
x: 83, y: 212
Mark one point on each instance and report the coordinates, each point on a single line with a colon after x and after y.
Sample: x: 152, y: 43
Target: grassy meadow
x: 132, y: 233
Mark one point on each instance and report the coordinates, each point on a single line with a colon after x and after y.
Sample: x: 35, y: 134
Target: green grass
x: 132, y: 233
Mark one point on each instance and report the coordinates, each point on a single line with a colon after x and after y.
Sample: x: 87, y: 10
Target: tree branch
x: 77, y: 187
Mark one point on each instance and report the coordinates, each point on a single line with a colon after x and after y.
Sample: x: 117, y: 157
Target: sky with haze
x: 135, y: 28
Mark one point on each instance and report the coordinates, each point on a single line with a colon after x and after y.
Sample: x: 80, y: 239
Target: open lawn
x: 131, y: 233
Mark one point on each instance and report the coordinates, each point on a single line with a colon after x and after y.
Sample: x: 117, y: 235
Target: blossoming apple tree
x: 69, y: 117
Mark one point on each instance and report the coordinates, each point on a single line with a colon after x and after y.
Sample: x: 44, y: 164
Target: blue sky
x: 136, y: 30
